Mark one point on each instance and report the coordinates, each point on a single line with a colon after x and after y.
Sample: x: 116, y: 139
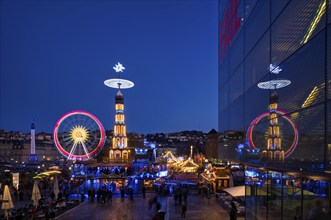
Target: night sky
x: 55, y: 56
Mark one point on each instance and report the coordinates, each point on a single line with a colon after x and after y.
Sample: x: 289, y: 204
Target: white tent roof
x: 236, y: 191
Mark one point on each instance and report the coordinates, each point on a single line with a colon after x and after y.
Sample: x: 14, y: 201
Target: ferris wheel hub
x: 79, y: 134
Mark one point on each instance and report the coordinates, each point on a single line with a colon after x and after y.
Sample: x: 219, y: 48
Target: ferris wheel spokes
x: 85, y: 149
x: 72, y: 149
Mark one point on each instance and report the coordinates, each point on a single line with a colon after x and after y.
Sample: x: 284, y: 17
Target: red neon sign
x: 229, y: 27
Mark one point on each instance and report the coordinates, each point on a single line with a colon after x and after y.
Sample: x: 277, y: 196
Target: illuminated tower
x: 33, y: 157
x: 274, y: 148
x: 119, y: 138
x: 119, y: 152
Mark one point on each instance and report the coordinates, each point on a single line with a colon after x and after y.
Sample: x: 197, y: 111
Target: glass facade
x: 280, y: 195
x: 292, y: 155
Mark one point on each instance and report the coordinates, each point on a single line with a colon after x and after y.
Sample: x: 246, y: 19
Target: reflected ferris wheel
x: 79, y: 135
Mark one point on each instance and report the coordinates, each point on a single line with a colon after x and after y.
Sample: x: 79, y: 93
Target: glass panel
x: 261, y: 184
x: 236, y: 117
x: 257, y: 62
x: 237, y: 40
x: 329, y: 11
x: 236, y: 84
x: 223, y: 73
x: 291, y: 197
x: 236, y: 52
x: 308, y: 155
x: 256, y: 193
x: 249, y: 7
x: 256, y: 24
x: 250, y: 191
x: 329, y: 95
x: 229, y: 26
x: 277, y: 7
x: 274, y: 195
x: 228, y: 140
x: 316, y: 202
x: 307, y: 78
x: 295, y: 27
x: 223, y: 97
x: 221, y: 7
x: 256, y: 103
x: 328, y: 59
x: 329, y: 138
x: 223, y: 123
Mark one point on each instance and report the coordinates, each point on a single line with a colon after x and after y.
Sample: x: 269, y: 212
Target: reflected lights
x: 310, y: 98
x: 317, y: 18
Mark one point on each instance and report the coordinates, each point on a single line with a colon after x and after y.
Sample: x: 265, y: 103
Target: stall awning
x: 236, y: 191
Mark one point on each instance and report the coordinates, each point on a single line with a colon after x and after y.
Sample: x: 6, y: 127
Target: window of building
x: 117, y: 154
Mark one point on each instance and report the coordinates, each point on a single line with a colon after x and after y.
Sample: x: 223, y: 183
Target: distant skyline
x: 55, y: 56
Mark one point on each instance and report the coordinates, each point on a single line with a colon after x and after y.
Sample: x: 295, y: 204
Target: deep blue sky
x: 55, y: 56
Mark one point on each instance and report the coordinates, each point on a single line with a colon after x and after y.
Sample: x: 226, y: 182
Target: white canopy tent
x: 236, y: 191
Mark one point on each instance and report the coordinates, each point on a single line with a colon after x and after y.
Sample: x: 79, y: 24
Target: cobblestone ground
x: 139, y: 209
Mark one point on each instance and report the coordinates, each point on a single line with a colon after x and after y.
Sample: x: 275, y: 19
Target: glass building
x: 274, y: 98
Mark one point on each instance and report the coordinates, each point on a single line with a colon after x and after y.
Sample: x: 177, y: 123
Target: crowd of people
x: 103, y: 195
x: 180, y: 193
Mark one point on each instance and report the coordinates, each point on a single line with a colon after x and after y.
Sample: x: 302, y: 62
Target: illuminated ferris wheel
x: 79, y: 135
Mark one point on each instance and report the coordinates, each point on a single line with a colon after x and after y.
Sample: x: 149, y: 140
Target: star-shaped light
x: 274, y: 69
x: 119, y: 67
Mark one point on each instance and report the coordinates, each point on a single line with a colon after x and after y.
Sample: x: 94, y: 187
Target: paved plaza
x: 139, y: 209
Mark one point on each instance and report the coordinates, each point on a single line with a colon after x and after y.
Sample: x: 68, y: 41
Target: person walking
x: 21, y: 195
x: 233, y: 212
x: 184, y: 208
x: 15, y: 195
x: 185, y: 191
x: 110, y: 196
x: 131, y: 193
x: 144, y: 191
x: 66, y: 195
x: 92, y: 194
x: 156, y: 217
x: 180, y: 197
x: 104, y: 194
x: 89, y: 194
x: 82, y: 196
x: 52, y: 196
x: 122, y: 194
x: 98, y: 195
x: 208, y: 193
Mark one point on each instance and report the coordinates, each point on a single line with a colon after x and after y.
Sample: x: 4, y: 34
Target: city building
x: 274, y: 95
x: 211, y: 147
x: 15, y: 148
